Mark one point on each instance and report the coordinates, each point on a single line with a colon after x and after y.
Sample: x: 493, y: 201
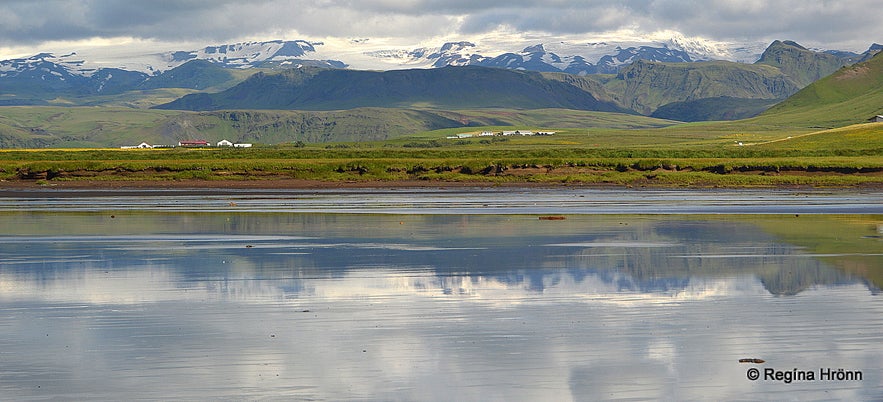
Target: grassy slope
x: 39, y: 127
x: 85, y: 126
x: 849, y: 96
x: 867, y: 137
x: 845, y: 99
x: 710, y: 109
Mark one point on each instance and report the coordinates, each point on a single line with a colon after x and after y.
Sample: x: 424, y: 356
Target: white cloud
x: 26, y: 24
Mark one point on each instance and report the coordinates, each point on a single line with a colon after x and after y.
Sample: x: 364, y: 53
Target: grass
x: 686, y: 155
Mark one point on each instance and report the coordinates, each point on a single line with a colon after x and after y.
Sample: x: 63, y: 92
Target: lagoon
x: 439, y: 294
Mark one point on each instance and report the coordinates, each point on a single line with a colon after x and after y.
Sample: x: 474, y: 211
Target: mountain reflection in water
x: 186, y: 305
x: 623, y: 253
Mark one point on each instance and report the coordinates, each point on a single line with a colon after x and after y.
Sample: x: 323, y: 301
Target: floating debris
x: 752, y: 360
x: 552, y: 218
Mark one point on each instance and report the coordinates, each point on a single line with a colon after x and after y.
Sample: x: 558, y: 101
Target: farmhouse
x: 876, y: 119
x: 454, y: 137
x: 193, y: 143
x: 523, y: 133
x: 225, y: 143
x: 526, y: 133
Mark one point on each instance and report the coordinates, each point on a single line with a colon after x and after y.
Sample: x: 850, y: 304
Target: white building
x: 142, y: 145
x: 238, y: 145
x: 225, y: 143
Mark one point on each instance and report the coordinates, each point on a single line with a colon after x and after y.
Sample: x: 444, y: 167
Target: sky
x: 28, y: 27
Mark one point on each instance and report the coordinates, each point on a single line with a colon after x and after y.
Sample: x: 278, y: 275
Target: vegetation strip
x: 574, y: 166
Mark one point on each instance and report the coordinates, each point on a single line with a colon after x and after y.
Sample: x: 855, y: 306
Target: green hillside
x: 851, y: 95
x: 443, y: 88
x: 645, y: 86
x: 69, y: 127
x: 718, y: 108
x: 710, y: 90
x: 800, y: 64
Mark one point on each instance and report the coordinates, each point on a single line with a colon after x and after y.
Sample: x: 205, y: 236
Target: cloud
x: 27, y: 22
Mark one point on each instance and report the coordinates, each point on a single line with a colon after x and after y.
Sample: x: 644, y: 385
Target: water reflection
x: 430, y: 307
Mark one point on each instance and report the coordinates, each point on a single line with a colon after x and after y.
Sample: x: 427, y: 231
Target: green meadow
x: 736, y: 154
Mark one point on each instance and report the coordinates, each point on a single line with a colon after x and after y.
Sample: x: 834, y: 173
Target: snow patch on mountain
x: 577, y: 55
x: 239, y: 55
x: 243, y: 55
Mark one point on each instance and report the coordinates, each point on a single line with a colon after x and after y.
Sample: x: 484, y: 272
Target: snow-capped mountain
x: 578, y: 57
x: 587, y: 57
x: 240, y: 55
x: 121, y: 68
x: 42, y: 65
x: 253, y: 54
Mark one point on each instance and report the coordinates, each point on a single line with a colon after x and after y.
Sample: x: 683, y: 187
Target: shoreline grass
x: 499, y: 167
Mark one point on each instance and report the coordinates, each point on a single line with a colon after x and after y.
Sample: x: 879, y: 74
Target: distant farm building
x: 142, y: 145
x: 523, y: 133
x: 459, y: 136
x: 225, y: 143
x: 241, y: 145
x: 876, y: 119
x: 193, y: 143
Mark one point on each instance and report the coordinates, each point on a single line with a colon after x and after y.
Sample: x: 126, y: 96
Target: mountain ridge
x: 448, y: 87
x: 572, y: 57
x: 850, y: 95
x: 693, y: 90
x: 685, y: 90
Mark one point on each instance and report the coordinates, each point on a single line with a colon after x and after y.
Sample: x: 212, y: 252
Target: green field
x: 683, y: 155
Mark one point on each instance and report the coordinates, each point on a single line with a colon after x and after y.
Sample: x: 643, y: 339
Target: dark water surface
x: 440, y: 295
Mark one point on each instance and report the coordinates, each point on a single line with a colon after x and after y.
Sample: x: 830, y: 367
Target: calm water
x: 440, y: 295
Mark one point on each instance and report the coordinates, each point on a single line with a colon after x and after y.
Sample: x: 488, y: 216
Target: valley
x: 797, y: 117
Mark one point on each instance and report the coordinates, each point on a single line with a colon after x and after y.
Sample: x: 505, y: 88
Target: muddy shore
x: 14, y: 188
x: 78, y: 188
